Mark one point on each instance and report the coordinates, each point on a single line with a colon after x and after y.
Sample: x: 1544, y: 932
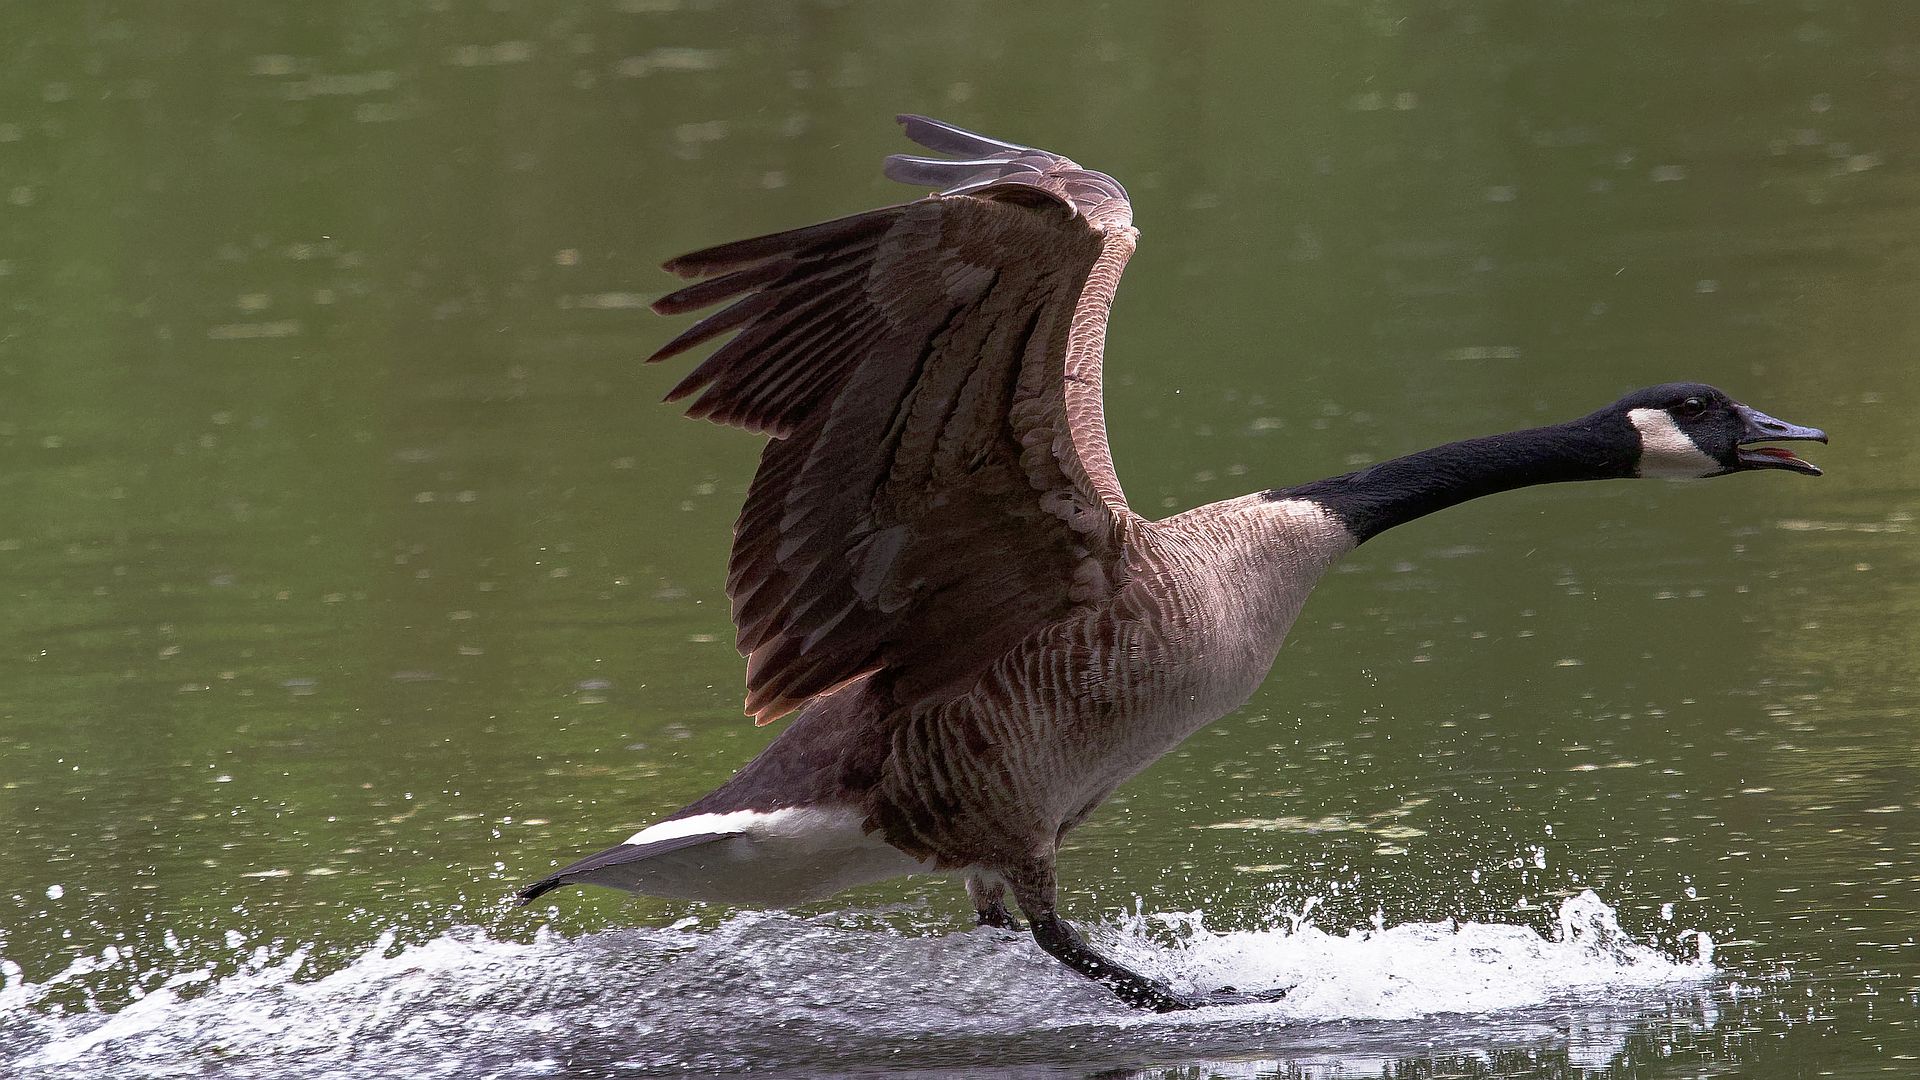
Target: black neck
x: 1376, y: 498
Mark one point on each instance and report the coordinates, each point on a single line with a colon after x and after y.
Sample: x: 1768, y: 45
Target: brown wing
x: 938, y: 483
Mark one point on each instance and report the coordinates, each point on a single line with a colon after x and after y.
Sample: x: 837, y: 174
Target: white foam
x: 1413, y: 970
x: 825, y: 994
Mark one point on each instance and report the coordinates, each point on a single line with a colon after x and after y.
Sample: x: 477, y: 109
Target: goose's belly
x: 1142, y: 711
x: 1055, y: 725
x: 1050, y: 732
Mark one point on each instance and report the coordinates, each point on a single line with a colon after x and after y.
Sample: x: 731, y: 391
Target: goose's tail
x: 763, y: 858
x: 619, y: 866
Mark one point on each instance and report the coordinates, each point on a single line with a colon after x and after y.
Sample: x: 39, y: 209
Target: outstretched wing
x: 938, y: 483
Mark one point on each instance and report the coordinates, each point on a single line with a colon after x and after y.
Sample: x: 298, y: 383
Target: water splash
x: 826, y: 994
x: 1412, y: 970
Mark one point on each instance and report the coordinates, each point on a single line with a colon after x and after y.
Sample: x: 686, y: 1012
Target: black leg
x: 1066, y: 945
x: 1033, y: 889
x: 990, y: 902
x: 997, y: 915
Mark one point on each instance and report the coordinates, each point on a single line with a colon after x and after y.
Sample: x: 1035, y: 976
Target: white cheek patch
x: 1666, y: 451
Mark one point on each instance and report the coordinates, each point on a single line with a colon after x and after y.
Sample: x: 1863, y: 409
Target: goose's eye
x: 1691, y: 407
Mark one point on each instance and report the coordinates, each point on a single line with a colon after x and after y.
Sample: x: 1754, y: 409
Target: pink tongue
x: 1773, y: 451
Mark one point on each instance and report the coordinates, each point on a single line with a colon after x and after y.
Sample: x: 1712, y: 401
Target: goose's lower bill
x: 1758, y: 427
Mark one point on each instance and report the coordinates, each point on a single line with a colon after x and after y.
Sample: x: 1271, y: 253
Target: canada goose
x: 937, y: 569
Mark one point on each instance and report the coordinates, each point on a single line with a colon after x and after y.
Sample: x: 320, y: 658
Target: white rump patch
x: 700, y: 825
x: 765, y: 858
x: 1666, y: 451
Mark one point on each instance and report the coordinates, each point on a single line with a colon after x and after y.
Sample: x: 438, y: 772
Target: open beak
x: 1758, y: 427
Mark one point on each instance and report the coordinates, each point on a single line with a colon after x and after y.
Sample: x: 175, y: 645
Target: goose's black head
x: 1690, y: 430
x: 1680, y: 430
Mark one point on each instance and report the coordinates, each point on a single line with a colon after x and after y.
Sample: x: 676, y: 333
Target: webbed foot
x: 1227, y: 995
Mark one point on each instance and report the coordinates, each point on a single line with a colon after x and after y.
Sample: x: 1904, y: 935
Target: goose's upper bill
x: 1758, y: 427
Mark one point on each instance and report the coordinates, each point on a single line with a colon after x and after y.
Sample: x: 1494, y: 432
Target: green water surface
x: 352, y: 573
